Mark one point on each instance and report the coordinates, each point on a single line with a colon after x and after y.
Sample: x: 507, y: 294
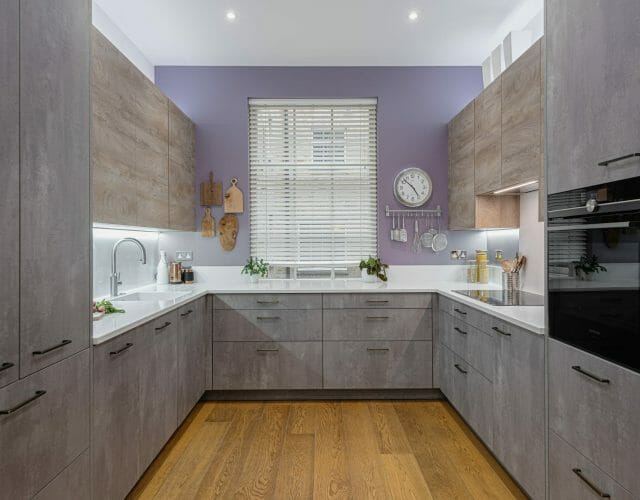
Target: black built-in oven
x: 593, y: 262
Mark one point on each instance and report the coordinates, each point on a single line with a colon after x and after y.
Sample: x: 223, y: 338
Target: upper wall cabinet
x: 488, y: 140
x: 142, y: 147
x: 593, y: 85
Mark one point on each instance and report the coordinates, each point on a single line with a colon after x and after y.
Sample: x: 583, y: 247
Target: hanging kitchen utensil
x: 416, y: 237
x: 427, y: 237
x: 210, y: 192
x: 233, y: 199
x: 402, y: 234
x: 440, y: 241
x: 228, y: 232
x: 208, y: 224
x: 392, y: 234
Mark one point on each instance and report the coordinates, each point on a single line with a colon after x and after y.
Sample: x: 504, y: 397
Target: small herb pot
x: 253, y: 278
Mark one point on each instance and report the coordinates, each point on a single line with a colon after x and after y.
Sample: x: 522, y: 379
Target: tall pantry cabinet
x: 45, y: 294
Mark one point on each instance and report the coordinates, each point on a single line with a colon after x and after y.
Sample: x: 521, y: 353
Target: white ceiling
x: 318, y: 32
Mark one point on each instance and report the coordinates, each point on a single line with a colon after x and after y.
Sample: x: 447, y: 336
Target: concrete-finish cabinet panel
x: 9, y: 189
x: 74, y: 481
x: 55, y: 205
x: 593, y: 86
x: 594, y: 406
x: 260, y: 325
x: 380, y: 324
x: 461, y: 170
x: 377, y: 365
x: 49, y: 430
x: 377, y: 300
x: 182, y: 144
x: 488, y: 138
x: 266, y: 301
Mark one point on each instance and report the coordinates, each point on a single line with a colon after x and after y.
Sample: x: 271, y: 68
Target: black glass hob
x: 504, y: 297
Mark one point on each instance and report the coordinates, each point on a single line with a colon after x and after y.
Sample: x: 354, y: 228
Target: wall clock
x: 412, y: 187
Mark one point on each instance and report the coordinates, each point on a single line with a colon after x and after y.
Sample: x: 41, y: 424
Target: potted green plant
x: 373, y: 269
x: 255, y: 268
x: 587, y: 266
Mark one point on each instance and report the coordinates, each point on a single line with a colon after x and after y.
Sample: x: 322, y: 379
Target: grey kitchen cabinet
x: 519, y: 401
x: 47, y: 427
x: 261, y: 325
x: 594, y: 406
x: 377, y: 300
x: 182, y: 188
x: 377, y: 364
x: 267, y: 301
x: 574, y: 477
x: 9, y: 189
x: 55, y: 220
x: 378, y: 324
x: 488, y: 138
x: 593, y: 92
x: 194, y: 358
x: 267, y: 365
x: 75, y: 478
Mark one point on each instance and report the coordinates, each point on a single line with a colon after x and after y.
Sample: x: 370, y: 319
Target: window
x: 313, y: 181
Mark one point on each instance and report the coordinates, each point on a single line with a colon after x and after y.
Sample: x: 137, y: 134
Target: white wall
x: 531, y: 243
x: 107, y: 27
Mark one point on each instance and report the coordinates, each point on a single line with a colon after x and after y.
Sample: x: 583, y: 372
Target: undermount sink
x: 150, y: 296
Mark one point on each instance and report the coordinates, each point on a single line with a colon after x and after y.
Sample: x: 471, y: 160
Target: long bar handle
x: 371, y: 301
x: 501, y: 332
x: 265, y: 302
x: 373, y: 349
x: 459, y: 331
x: 264, y: 318
x: 460, y: 369
x: 128, y: 345
x: 9, y: 411
x: 606, y: 163
x: 592, y: 376
x: 585, y: 480
x: 52, y: 348
x: 268, y: 350
x: 459, y: 311
x: 185, y: 314
x: 5, y: 366
x: 166, y: 324
x: 377, y: 317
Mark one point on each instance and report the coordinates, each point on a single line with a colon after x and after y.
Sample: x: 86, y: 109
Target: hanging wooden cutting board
x: 228, y: 232
x: 233, y: 199
x: 210, y: 192
x: 208, y: 224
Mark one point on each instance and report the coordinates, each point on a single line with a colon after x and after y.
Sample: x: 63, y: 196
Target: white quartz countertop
x: 217, y: 280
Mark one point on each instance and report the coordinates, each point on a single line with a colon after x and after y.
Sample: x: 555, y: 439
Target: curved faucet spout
x: 115, y: 275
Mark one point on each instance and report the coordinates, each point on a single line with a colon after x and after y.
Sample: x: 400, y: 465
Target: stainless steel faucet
x: 115, y: 275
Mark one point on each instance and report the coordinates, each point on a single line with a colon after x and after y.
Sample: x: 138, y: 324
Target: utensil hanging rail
x: 412, y: 212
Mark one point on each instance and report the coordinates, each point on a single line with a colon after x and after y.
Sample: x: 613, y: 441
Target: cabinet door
x: 461, y: 166
x: 158, y: 386
x: 593, y: 88
x: 182, y: 184
x: 522, y: 118
x: 55, y: 221
x: 9, y: 189
x: 488, y: 146
x: 192, y: 349
x: 74, y: 481
x: 519, y: 433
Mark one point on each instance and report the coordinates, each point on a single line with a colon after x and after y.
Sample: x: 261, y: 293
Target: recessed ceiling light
x: 230, y: 15
x: 413, y: 15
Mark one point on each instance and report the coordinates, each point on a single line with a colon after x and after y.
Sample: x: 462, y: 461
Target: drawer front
x: 462, y: 312
x: 267, y: 301
x: 573, y: 477
x: 475, y: 347
x: 74, y: 481
x: 599, y: 419
x: 381, y: 324
x: 377, y: 365
x: 267, y: 365
x: 260, y: 325
x: 374, y: 300
x: 44, y: 436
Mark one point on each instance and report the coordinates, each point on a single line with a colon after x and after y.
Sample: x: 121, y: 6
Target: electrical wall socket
x: 184, y: 255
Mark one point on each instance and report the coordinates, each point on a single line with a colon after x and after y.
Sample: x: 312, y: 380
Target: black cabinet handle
x: 374, y: 349
x: 496, y: 329
x: 52, y: 348
x: 459, y: 311
x: 186, y: 313
x: 371, y: 301
x: 590, y: 375
x: 596, y: 490
x: 37, y: 395
x: 264, y: 302
x: 460, y: 369
x: 459, y: 331
x: 158, y: 328
x: 377, y: 317
x: 267, y: 318
x: 606, y: 163
x: 268, y: 350
x: 5, y: 366
x: 128, y: 345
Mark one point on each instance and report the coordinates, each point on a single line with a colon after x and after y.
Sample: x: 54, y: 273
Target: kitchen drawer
x: 598, y: 418
x: 267, y: 301
x: 377, y: 365
x: 267, y: 365
x: 74, y: 481
x: 260, y: 325
x: 474, y: 346
x: 573, y: 477
x: 44, y: 436
x: 381, y: 324
x: 373, y: 300
x: 463, y: 312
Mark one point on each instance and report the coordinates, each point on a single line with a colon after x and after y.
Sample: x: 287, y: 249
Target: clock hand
x: 411, y: 185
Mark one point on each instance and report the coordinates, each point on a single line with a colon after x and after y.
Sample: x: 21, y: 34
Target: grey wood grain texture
x: 380, y: 324
x: 258, y: 365
x: 599, y: 419
x: 182, y: 183
x: 377, y: 300
x: 461, y: 170
x: 158, y: 386
x: 268, y: 301
x: 593, y: 103
x: 192, y: 355
x: 43, y: 437
x: 281, y: 325
x: 474, y: 346
x: 444, y: 368
x: 519, y: 402
x: 463, y: 312
x: 117, y: 425
x: 55, y: 206
x: 565, y: 484
x: 488, y: 138
x: 377, y: 364
x: 72, y: 482
x: 209, y: 347
x: 542, y: 185
x: 9, y: 188
x: 522, y: 118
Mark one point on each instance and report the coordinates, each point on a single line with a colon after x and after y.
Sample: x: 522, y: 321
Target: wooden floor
x: 325, y: 449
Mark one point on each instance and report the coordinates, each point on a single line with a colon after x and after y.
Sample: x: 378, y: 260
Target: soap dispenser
x: 162, y: 276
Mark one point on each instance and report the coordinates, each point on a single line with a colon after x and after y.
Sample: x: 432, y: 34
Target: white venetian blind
x: 313, y: 185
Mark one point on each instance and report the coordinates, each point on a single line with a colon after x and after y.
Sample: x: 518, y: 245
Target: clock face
x: 412, y: 187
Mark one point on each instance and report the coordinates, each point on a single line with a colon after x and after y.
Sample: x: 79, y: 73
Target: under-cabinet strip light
x: 513, y: 188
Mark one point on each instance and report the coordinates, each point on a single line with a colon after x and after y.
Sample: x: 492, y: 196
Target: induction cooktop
x: 504, y: 297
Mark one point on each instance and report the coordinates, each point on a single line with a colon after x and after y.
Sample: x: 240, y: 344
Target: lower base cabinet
x: 76, y: 478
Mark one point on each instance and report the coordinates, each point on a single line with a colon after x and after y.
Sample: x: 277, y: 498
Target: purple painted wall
x: 414, y: 106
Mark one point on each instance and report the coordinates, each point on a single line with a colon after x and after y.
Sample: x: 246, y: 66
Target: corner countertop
x: 402, y: 279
